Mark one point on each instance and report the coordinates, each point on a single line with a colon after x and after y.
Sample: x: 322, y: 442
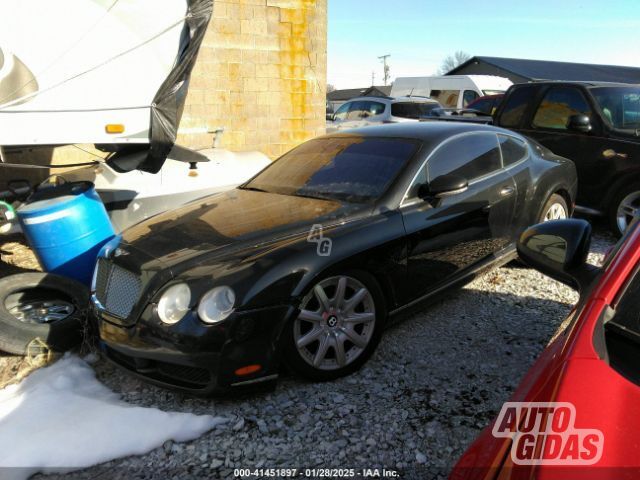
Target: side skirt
x: 497, y: 260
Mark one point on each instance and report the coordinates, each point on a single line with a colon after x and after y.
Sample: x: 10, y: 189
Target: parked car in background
x: 307, y: 262
x: 452, y: 91
x: 597, y: 125
x: 486, y: 104
x: 590, y: 368
x: 367, y: 111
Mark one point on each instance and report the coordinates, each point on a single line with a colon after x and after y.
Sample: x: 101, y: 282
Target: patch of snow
x: 61, y: 418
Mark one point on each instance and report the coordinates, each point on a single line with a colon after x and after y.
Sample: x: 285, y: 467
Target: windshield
x: 413, y: 110
x: 620, y: 106
x: 353, y: 169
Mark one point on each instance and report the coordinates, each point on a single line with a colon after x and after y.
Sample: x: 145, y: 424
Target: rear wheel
x: 556, y: 208
x: 338, y: 326
x: 624, y: 208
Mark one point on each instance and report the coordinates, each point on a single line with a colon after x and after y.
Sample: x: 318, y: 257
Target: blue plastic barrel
x: 66, y: 225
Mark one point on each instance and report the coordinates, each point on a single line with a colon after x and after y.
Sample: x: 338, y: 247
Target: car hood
x: 232, y: 221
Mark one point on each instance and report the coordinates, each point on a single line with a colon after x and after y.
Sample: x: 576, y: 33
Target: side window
x: 447, y: 98
x: 420, y: 179
x: 374, y: 108
x: 341, y: 114
x: 558, y: 105
x: 515, y: 107
x: 470, y: 156
x: 356, y: 110
x: 468, y: 97
x: 513, y: 149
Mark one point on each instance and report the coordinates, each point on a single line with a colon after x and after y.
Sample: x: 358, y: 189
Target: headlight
x: 174, y: 303
x: 216, y: 304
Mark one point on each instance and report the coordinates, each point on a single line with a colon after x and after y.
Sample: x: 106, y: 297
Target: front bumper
x: 194, y: 357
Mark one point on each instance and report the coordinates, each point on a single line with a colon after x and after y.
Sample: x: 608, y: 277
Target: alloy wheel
x: 629, y: 208
x: 555, y: 212
x: 335, y: 324
x: 42, y: 311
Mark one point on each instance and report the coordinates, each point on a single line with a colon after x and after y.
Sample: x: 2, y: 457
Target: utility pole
x: 373, y: 78
x: 385, y: 68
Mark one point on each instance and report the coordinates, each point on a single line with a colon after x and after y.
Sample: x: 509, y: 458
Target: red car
x: 576, y: 413
x: 486, y: 104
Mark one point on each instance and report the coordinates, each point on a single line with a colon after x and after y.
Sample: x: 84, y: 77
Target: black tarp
x: 168, y: 103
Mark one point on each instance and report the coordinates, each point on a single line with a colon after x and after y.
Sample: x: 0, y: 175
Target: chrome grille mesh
x: 117, y: 289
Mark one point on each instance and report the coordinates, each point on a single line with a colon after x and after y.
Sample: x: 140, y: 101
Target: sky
x: 419, y: 34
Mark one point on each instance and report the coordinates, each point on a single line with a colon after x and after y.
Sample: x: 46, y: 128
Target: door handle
x: 506, y: 191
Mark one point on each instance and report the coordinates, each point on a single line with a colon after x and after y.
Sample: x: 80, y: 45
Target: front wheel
x: 338, y: 327
x: 556, y: 208
x: 624, y: 208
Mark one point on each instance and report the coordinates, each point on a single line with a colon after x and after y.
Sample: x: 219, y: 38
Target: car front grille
x: 117, y: 289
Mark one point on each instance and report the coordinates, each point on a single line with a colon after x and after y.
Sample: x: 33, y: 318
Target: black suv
x: 595, y: 124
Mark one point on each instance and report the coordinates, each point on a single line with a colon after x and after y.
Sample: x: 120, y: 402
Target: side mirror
x: 559, y: 249
x: 443, y: 186
x: 579, y: 123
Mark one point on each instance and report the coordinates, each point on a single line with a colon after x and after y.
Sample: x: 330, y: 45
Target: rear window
x: 412, y: 109
x: 513, y: 149
x: 515, y: 107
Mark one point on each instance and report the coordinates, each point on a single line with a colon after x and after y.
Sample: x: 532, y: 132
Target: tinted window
x: 357, y: 110
x: 374, y: 108
x: 515, y: 106
x: 341, y: 114
x: 468, y: 97
x: 470, y: 156
x: 485, y: 105
x: 413, y: 110
x: 352, y: 169
x: 620, y: 106
x: 558, y: 105
x: 513, y: 149
x: 622, y: 333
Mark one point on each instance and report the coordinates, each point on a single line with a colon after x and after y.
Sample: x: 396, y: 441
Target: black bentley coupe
x: 307, y: 262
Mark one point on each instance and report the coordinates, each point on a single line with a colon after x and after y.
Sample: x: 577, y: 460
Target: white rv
x: 114, y: 74
x: 452, y: 91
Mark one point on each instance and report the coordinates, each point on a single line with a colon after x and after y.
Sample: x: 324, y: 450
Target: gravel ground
x: 436, y: 380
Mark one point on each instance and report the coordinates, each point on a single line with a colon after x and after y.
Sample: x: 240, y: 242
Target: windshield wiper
x: 315, y: 197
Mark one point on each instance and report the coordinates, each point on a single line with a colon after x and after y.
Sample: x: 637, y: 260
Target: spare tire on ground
x: 41, y: 309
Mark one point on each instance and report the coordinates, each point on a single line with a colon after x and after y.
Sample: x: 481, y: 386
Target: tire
x: 555, y: 208
x: 335, y: 330
x: 56, y: 296
x: 630, y: 195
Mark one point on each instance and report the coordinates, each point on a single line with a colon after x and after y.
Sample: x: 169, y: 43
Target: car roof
x: 429, y: 131
x: 584, y: 83
x: 414, y: 99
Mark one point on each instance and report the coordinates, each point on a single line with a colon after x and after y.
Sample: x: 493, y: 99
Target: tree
x: 330, y: 88
x: 452, y: 61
